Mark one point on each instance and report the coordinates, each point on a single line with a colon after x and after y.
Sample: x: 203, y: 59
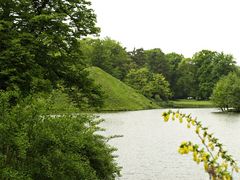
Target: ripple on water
x: 148, y: 150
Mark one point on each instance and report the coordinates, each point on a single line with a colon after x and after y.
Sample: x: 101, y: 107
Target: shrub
x: 37, y: 145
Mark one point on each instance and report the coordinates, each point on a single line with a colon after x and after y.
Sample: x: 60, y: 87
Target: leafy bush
x: 37, y: 145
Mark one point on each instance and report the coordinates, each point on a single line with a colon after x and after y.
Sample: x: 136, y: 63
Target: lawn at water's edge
x: 186, y: 103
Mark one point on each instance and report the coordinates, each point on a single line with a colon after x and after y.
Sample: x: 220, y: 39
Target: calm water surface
x: 148, y: 148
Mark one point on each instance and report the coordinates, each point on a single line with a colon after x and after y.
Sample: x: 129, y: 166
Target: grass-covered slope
x: 119, y: 96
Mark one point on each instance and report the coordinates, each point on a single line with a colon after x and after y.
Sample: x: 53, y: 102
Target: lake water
x: 148, y: 148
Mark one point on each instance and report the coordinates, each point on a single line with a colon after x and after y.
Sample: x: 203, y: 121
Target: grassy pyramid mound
x: 119, y: 96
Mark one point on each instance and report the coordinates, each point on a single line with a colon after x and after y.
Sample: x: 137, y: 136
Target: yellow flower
x: 190, y: 148
x: 186, y: 150
x: 180, y: 151
x: 188, y: 125
x: 195, y: 155
x: 180, y: 119
x: 183, y: 150
x: 166, y: 118
x: 183, y: 143
x: 204, y: 156
x: 177, y: 115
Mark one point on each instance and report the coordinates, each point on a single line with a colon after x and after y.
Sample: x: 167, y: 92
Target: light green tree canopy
x: 149, y: 84
x: 226, y: 94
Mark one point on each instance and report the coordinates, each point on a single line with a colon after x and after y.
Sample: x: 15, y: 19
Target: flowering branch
x: 217, y: 162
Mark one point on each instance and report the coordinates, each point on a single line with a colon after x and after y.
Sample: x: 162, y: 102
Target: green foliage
x: 58, y: 102
x: 119, y: 96
x: 186, y: 81
x: 151, y: 85
x: 226, y: 94
x: 38, y: 145
x: 108, y: 55
x: 138, y: 57
x: 210, y: 67
x: 158, y: 63
x: 39, y: 46
x: 187, y: 77
x: 174, y: 61
x: 216, y: 160
x: 154, y: 59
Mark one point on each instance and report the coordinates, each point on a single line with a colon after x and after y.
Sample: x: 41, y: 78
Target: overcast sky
x: 181, y: 26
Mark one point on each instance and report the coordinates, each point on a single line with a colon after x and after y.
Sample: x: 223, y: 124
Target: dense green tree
x: 39, y: 46
x: 158, y: 88
x: 110, y: 56
x: 36, y: 145
x: 138, y: 78
x: 175, y: 71
x: 158, y: 63
x: 150, y: 84
x: 203, y: 63
x: 222, y: 65
x: 226, y: 93
x: 138, y: 57
x: 186, y: 83
x: 210, y: 67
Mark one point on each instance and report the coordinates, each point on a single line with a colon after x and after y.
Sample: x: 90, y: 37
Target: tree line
x: 158, y: 75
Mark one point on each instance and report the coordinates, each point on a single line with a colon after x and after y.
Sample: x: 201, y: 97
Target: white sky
x: 181, y: 26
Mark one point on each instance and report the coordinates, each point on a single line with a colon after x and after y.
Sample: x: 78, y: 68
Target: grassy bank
x: 185, y: 103
x: 119, y: 96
